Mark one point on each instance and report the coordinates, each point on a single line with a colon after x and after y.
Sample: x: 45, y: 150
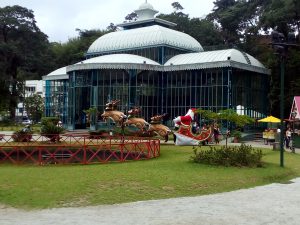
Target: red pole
x: 84, y: 151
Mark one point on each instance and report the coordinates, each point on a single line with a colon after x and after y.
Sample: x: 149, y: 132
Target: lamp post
x: 281, y: 44
x: 282, y: 70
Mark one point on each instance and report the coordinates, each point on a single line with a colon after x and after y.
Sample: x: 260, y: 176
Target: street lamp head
x: 279, y: 44
x: 277, y: 37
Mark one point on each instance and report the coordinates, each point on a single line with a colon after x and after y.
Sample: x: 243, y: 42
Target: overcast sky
x: 59, y: 18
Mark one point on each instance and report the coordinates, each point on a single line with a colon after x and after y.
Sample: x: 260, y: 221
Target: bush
x: 23, y: 135
x: 50, y: 129
x: 237, y: 135
x: 117, y: 131
x: 49, y: 120
x: 95, y: 134
x: 239, y: 156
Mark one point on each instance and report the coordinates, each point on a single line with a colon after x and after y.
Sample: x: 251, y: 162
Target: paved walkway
x: 258, y: 144
x: 274, y: 204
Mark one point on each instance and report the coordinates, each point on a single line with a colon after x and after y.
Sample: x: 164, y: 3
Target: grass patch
x: 36, y: 128
x: 170, y: 175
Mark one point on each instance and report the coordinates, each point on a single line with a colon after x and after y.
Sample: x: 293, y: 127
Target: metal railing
x: 83, y: 149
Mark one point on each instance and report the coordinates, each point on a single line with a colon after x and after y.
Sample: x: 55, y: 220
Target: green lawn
x: 36, y: 128
x: 170, y: 175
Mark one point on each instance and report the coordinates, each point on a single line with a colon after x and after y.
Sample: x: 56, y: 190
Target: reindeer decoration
x: 157, y: 127
x: 111, y: 112
x: 135, y: 121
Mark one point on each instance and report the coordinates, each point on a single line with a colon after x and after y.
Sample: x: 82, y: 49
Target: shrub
x: 50, y: 129
x: 98, y: 133
x: 239, y: 156
x: 117, y: 131
x: 23, y: 135
x: 237, y: 135
x: 49, y: 120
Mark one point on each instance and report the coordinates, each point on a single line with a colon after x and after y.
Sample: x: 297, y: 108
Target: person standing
x: 216, y: 134
x: 288, y: 135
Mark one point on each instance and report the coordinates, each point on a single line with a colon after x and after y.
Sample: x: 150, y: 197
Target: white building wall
x: 34, y: 87
x: 31, y: 87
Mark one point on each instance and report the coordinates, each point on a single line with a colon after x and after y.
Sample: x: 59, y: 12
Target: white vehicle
x: 27, y: 122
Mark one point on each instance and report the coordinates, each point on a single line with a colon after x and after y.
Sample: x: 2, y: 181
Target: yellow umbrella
x: 270, y: 119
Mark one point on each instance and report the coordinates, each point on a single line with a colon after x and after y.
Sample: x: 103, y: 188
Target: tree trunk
x: 14, y: 96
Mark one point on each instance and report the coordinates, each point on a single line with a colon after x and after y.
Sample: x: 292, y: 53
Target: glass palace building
x: 150, y: 65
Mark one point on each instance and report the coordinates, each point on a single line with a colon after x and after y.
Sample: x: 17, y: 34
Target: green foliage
x: 241, y: 24
x: 74, y: 50
x: 50, y: 129
x: 117, y: 131
x: 112, y: 27
x: 24, y: 53
x: 240, y: 156
x: 281, y: 14
x: 177, y: 6
x: 231, y: 116
x: 98, y: 132
x: 228, y: 115
x: 91, y: 115
x: 49, y: 120
x: 228, y: 14
x: 237, y: 134
x: 202, y: 30
x: 207, y: 114
x: 23, y: 135
x: 34, y: 106
x: 131, y: 17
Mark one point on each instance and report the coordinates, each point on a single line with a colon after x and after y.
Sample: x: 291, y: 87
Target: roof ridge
x: 246, y: 57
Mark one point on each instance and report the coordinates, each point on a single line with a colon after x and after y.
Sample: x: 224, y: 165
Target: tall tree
x: 177, y: 6
x: 282, y: 15
x: 245, y: 23
x: 34, y: 106
x: 24, y: 49
x: 203, y: 30
x: 131, y: 17
x: 112, y: 27
x: 74, y: 49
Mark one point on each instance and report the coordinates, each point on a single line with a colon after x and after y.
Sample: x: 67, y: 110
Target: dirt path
x: 273, y: 204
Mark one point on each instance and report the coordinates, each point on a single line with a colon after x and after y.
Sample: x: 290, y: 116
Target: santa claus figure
x: 185, y: 120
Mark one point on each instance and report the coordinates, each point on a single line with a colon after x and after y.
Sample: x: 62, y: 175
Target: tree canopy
x: 25, y: 52
x: 203, y: 30
x: 74, y: 50
x: 247, y: 24
x: 34, y: 106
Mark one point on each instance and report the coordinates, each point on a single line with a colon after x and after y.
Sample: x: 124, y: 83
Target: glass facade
x: 94, y: 88
x: 250, y: 90
x: 56, y: 99
x: 159, y: 92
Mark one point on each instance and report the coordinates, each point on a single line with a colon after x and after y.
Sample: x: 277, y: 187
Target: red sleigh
x: 184, y: 135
